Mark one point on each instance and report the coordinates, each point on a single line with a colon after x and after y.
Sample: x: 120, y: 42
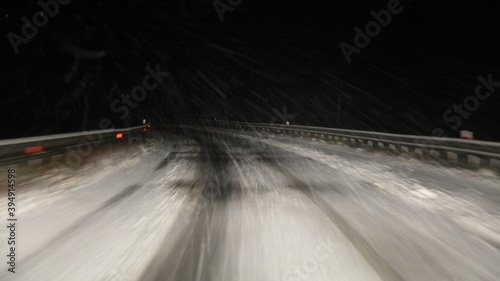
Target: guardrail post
x: 57, y: 158
x: 474, y: 160
x: 419, y: 151
x: 462, y: 158
x: 452, y: 156
x: 435, y: 153
x: 35, y: 162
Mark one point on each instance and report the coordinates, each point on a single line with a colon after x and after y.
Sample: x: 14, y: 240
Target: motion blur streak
x: 218, y: 205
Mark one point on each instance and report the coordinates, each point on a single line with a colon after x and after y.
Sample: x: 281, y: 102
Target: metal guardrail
x: 478, y: 153
x: 20, y: 149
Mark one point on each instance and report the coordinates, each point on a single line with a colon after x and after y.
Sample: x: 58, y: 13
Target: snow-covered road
x: 219, y: 205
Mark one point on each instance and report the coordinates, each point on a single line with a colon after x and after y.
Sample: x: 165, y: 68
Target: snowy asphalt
x: 221, y: 205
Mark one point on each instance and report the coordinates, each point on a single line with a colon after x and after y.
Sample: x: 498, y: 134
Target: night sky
x: 261, y: 58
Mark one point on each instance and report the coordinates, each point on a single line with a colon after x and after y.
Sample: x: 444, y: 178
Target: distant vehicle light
x: 119, y: 136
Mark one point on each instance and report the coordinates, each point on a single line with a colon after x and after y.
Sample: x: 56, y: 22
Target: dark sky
x: 262, y: 57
